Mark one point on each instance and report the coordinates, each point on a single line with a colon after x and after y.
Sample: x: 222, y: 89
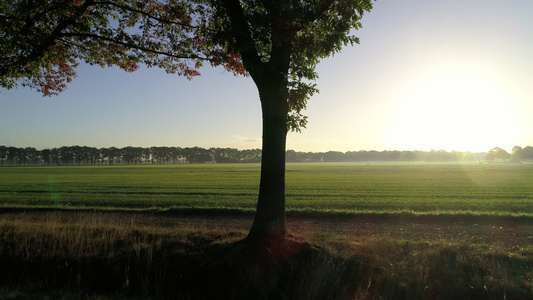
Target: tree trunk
x: 269, y: 219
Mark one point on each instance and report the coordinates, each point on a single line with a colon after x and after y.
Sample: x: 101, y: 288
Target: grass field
x: 313, y: 188
x: 97, y: 254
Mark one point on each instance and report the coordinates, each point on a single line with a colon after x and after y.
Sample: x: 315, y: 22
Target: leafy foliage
x: 497, y: 153
x: 284, y: 40
x: 42, y: 42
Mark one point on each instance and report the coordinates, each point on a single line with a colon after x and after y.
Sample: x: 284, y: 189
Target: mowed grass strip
x: 317, y: 187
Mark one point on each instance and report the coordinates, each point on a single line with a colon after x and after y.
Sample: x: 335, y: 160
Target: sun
x: 453, y: 108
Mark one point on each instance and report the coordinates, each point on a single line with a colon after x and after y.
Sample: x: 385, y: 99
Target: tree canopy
x: 497, y: 153
x: 42, y: 42
x: 287, y: 39
x: 277, y: 42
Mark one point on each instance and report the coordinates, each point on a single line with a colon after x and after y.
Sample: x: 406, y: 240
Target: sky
x: 455, y: 75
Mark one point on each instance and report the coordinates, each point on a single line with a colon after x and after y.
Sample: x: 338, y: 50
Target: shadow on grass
x: 113, y: 260
x: 203, y: 269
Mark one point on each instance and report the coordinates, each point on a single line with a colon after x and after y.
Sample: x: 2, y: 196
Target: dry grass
x: 97, y: 257
x: 430, y: 270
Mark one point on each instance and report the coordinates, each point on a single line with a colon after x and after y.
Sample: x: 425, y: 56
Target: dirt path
x: 501, y: 231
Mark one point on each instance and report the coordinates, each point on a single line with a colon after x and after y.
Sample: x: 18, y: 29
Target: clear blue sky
x: 428, y: 74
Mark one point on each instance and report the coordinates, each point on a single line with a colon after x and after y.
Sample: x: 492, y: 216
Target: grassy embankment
x: 115, y: 258
x: 101, y: 258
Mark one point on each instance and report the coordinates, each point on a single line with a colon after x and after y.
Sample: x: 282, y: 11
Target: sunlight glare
x: 454, y: 108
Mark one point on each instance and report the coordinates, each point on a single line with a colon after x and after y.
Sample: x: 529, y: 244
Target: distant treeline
x: 83, y: 155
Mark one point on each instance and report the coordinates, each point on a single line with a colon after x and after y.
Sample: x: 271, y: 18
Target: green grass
x: 313, y: 188
x: 98, y: 257
x: 420, y: 188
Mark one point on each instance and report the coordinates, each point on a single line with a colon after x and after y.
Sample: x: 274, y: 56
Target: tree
x: 517, y: 153
x: 197, y: 155
x: 440, y: 155
x: 334, y: 156
x: 291, y: 156
x: 31, y: 155
x: 527, y: 153
x: 132, y: 155
x: 409, y: 155
x: 225, y: 155
x: 3, y: 155
x: 278, y: 43
x: 497, y: 153
x: 395, y: 155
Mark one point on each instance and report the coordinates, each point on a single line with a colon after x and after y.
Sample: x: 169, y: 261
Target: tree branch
x: 314, y: 15
x: 40, y: 50
x: 243, y: 36
x: 146, y: 14
x: 130, y: 45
